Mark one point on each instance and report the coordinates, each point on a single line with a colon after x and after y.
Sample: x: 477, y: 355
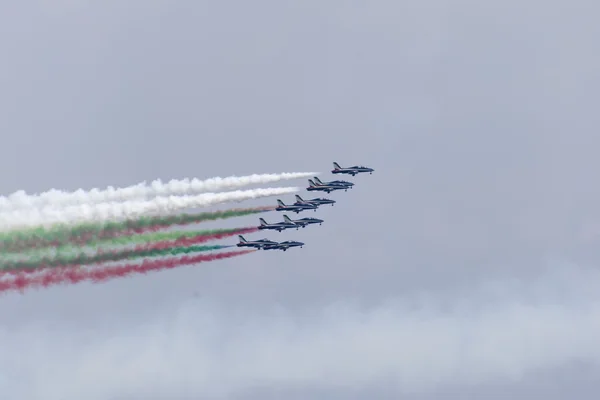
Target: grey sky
x: 466, y: 266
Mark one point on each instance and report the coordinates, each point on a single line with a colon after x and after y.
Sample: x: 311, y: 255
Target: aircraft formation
x: 314, y: 185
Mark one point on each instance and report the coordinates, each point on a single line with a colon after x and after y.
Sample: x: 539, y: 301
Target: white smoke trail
x: 113, y: 211
x: 141, y: 191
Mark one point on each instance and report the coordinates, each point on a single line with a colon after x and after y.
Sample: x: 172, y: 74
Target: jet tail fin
x: 241, y: 238
x: 298, y: 198
x: 318, y: 180
x: 281, y: 203
x: 311, y: 183
x: 262, y: 221
x: 336, y: 165
x: 287, y: 219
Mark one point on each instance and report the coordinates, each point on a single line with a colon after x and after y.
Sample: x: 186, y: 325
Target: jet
x: 350, y: 170
x: 278, y: 226
x: 328, y: 186
x: 303, y: 221
x: 317, y: 202
x: 295, y: 207
x: 258, y: 244
x: 284, y: 245
x: 339, y: 183
x: 312, y: 187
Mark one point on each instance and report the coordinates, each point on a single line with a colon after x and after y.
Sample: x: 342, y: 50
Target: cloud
x: 498, y: 331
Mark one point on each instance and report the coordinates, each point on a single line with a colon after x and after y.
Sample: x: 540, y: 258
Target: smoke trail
x: 96, y: 275
x: 104, y: 212
x: 141, y: 191
x: 181, y: 237
x: 59, y: 235
x: 75, y: 259
x: 176, y: 238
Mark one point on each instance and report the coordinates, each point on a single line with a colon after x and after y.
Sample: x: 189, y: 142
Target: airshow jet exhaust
x: 80, y: 234
x: 351, y: 170
x: 76, y: 258
x: 97, y: 275
x: 139, y: 192
x: 105, y: 212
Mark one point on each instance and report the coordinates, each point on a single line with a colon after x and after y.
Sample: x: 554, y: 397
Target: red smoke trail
x: 215, y: 236
x: 110, y: 235
x: 75, y: 275
x: 181, y: 242
x: 55, y: 237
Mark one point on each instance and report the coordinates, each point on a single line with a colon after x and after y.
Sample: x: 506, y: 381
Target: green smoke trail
x: 73, y: 259
x: 159, y: 236
x: 83, y: 233
x: 147, y: 238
